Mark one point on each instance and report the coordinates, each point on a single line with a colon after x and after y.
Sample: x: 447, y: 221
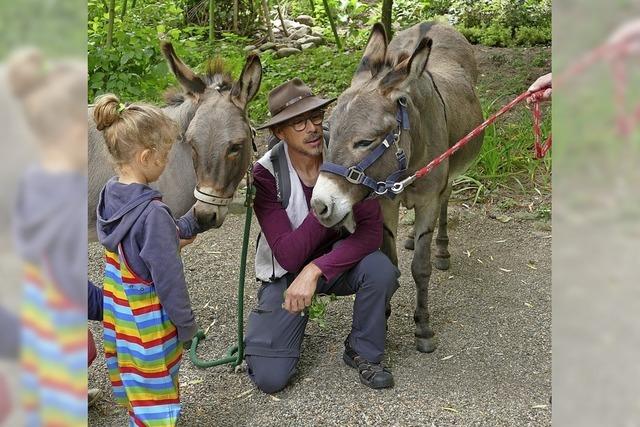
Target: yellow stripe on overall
x: 141, y: 346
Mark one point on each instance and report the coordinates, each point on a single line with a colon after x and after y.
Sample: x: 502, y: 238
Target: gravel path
x: 491, y: 312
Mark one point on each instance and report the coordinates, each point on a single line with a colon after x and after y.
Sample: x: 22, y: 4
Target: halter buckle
x: 382, y: 188
x: 397, y: 188
x: 354, y: 175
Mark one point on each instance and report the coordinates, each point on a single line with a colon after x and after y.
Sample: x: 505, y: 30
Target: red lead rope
x: 540, y: 148
x: 613, y: 53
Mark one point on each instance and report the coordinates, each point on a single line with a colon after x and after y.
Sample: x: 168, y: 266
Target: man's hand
x: 543, y: 82
x: 185, y: 242
x: 301, y: 291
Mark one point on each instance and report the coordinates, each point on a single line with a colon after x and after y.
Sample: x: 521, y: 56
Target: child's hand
x: 186, y: 345
x: 185, y: 242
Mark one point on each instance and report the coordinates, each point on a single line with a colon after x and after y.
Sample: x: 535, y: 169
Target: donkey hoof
x: 409, y: 244
x: 441, y: 263
x: 426, y: 345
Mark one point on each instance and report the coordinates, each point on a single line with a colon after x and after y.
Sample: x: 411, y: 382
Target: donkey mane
x: 216, y: 74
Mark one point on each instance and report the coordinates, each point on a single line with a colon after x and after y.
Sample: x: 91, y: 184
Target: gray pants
x: 274, y: 336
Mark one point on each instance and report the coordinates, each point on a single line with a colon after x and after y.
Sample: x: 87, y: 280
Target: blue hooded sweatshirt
x: 49, y: 227
x: 134, y: 216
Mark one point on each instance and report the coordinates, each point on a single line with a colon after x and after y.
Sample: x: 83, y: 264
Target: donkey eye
x: 235, y: 149
x: 363, y: 144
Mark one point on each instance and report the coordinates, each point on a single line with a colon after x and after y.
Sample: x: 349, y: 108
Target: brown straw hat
x: 291, y: 99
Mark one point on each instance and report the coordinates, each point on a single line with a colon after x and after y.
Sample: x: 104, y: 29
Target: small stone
x: 249, y: 48
x: 299, y: 33
x: 287, y: 51
x: 305, y: 19
x: 312, y: 39
x: 267, y: 46
x: 306, y: 46
x: 289, y: 23
x: 317, y: 32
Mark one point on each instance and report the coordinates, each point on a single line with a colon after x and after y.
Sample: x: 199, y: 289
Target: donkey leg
x: 441, y: 260
x: 426, y: 216
x: 408, y: 243
x: 389, y: 233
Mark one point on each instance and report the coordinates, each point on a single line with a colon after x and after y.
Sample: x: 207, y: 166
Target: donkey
x: 415, y: 96
x: 214, y: 146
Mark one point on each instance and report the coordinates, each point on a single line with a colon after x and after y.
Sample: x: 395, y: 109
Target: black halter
x: 355, y: 174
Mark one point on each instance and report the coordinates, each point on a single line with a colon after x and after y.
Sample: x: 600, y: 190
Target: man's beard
x: 312, y: 151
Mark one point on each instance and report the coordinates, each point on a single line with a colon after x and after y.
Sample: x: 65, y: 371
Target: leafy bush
x: 498, y: 23
x: 134, y: 67
x: 527, y: 36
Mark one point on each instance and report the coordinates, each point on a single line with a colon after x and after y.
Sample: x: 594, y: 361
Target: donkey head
x: 365, y: 115
x: 212, y: 114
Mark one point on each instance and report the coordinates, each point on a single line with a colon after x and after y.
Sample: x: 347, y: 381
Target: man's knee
x: 271, y: 374
x: 379, y: 271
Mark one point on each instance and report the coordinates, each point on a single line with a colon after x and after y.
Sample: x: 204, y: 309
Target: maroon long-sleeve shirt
x: 312, y: 242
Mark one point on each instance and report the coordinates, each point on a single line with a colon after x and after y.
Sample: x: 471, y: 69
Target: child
x: 49, y: 131
x: 147, y: 311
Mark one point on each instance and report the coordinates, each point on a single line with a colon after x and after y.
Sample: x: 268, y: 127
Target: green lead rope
x: 235, y: 354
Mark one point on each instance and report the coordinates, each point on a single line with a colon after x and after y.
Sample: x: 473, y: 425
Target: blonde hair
x: 53, y: 93
x: 129, y: 128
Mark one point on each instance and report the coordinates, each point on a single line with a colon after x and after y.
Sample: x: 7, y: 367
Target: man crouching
x: 297, y: 257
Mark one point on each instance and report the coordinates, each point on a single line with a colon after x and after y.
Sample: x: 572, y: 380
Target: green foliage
x: 136, y: 70
x: 502, y: 23
x: 326, y: 71
x: 317, y: 311
x: 196, y: 12
x: 507, y: 154
x: 55, y: 27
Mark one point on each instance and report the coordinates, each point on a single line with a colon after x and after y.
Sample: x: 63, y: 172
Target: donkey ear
x: 374, y: 55
x: 187, y: 78
x: 248, y: 84
x: 413, y: 65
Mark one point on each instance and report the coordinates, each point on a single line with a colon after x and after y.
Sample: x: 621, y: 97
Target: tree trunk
x: 124, y: 9
x: 267, y: 20
x: 387, y: 6
x: 112, y: 13
x: 235, y: 16
x: 284, y: 26
x: 332, y: 23
x: 211, y: 21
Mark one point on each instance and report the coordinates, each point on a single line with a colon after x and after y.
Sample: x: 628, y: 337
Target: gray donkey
x: 415, y: 96
x: 214, y: 147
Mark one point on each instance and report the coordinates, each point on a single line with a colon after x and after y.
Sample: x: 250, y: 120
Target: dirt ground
x: 491, y: 312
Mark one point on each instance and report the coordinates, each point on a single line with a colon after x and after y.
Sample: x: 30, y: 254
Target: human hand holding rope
x: 542, y: 83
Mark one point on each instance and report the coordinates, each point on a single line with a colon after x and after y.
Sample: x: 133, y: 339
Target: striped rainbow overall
x: 53, y: 354
x: 141, y: 346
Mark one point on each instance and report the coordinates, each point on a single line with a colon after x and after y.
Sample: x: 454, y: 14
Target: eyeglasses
x: 301, y: 123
